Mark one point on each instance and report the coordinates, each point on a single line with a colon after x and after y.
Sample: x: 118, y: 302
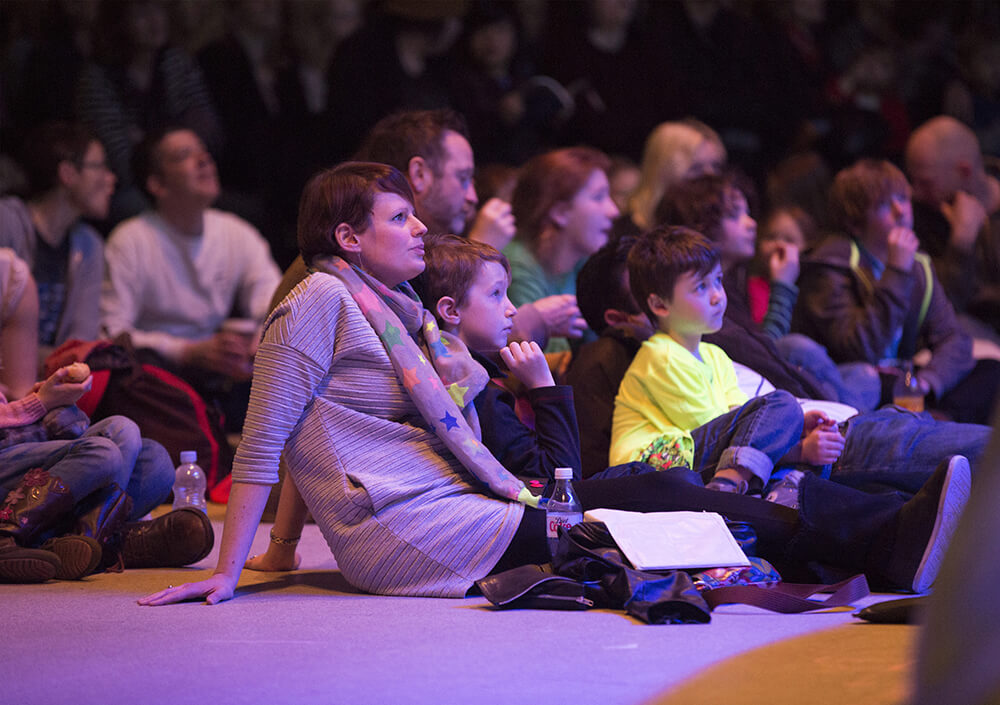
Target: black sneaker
x: 926, y: 524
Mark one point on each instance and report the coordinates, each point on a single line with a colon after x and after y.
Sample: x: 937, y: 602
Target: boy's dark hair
x: 343, y: 194
x: 397, y: 138
x: 703, y: 202
x: 47, y: 147
x: 859, y: 187
x: 452, y: 264
x: 146, y: 158
x: 600, y: 285
x: 660, y: 256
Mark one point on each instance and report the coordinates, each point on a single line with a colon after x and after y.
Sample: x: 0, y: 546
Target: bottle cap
x: 564, y: 473
x: 189, y: 456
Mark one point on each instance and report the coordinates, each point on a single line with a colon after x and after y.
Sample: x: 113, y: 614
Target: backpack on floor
x: 165, y: 407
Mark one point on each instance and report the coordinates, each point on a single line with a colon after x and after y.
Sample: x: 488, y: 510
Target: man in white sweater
x: 176, y: 273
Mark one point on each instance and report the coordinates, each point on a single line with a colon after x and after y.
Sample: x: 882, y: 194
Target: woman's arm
x: 246, y: 504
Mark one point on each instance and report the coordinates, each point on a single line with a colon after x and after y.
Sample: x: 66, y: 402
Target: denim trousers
x: 755, y: 436
x: 897, y: 448
x: 111, y: 450
x: 854, y: 383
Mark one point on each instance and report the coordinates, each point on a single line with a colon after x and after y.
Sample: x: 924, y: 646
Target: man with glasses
x: 68, y: 181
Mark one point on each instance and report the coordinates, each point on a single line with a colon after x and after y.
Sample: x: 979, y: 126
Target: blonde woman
x: 674, y: 152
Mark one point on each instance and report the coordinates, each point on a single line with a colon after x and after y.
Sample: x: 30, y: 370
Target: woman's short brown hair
x: 549, y: 179
x: 859, y: 187
x: 343, y: 194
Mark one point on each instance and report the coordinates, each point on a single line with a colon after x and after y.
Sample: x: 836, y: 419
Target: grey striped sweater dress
x: 400, y: 513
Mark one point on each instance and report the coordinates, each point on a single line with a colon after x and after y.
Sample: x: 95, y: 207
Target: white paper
x: 666, y: 540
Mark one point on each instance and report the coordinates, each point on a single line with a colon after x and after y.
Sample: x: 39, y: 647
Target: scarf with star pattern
x: 434, y: 367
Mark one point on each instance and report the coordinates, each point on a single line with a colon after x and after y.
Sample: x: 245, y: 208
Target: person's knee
x: 123, y: 432
x: 99, y: 458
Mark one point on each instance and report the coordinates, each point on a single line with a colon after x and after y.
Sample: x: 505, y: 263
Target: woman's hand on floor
x: 218, y: 588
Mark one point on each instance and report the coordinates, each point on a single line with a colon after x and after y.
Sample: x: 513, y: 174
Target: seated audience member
x: 563, y: 208
x: 956, y: 215
x: 717, y: 207
x: 869, y: 296
x: 55, y: 469
x: 674, y: 153
x: 440, y: 512
x: 598, y: 368
x: 679, y: 405
x: 431, y: 148
x: 177, y: 272
x: 68, y: 179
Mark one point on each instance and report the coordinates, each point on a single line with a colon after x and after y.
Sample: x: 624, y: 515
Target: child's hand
x: 822, y: 446
x: 783, y: 262
x: 903, y: 245
x: 814, y: 418
x: 57, y: 391
x: 561, y: 315
x: 527, y: 362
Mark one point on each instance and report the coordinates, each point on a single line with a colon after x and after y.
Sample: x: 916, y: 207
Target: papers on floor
x: 665, y: 540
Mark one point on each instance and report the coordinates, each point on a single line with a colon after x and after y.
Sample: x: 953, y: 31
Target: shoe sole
x: 26, y: 570
x: 79, y: 556
x: 954, y: 495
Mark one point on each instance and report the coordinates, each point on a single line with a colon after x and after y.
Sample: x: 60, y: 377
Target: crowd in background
x: 796, y: 89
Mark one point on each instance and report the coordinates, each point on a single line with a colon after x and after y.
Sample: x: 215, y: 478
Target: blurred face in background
x: 90, y: 183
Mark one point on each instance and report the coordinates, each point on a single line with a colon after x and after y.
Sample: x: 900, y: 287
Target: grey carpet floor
x: 308, y: 637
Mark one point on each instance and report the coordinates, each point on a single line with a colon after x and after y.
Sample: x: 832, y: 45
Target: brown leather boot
x: 26, y: 565
x: 178, y: 538
x: 102, y: 517
x: 40, y: 504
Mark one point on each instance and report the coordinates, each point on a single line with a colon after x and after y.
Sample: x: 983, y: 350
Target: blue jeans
x: 853, y: 383
x: 897, y: 448
x: 109, y: 451
x: 755, y: 436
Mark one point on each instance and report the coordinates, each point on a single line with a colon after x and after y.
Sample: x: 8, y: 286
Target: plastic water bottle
x: 189, y: 483
x: 563, y: 508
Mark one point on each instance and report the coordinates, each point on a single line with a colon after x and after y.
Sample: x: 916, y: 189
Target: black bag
x: 589, y: 571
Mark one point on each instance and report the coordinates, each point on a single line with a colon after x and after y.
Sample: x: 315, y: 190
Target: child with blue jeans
x: 679, y: 404
x: 896, y: 543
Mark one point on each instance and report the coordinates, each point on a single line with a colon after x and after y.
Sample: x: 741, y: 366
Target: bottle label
x: 554, y: 521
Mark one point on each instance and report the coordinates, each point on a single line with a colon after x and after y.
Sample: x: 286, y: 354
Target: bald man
x: 957, y: 215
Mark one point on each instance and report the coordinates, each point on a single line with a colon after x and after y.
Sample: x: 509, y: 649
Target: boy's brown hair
x: 451, y: 266
x: 659, y: 257
x: 857, y: 188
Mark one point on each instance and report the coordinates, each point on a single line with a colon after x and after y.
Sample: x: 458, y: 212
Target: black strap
x: 790, y: 598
